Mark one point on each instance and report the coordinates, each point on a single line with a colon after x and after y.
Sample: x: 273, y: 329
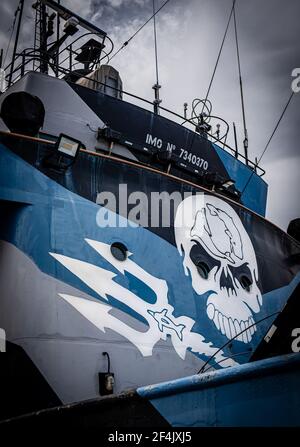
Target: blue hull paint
x: 50, y: 218
x: 259, y: 394
x: 254, y: 188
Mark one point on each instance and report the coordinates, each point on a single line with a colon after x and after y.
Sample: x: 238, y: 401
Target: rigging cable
x: 269, y: 141
x: 156, y: 87
x: 226, y: 358
x: 12, y: 31
x: 215, y: 68
x: 233, y: 338
x: 139, y: 29
x: 241, y: 85
x: 219, y: 54
x: 155, y: 43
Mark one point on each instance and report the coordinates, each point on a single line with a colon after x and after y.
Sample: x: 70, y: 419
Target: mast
x: 40, y: 35
x: 43, y: 38
x: 246, y: 141
x: 57, y: 41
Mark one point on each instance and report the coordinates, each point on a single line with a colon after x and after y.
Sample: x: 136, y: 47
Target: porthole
x: 203, y: 269
x: 119, y: 251
x: 245, y: 282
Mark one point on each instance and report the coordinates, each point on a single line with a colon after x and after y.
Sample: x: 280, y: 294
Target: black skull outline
x: 215, y: 226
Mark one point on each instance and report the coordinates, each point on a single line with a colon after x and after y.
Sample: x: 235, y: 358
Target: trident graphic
x: 159, y: 316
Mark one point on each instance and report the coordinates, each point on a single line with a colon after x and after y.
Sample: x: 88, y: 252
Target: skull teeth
x: 231, y: 328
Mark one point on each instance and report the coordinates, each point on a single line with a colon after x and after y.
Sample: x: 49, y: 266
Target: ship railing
x: 45, y: 140
x: 29, y: 56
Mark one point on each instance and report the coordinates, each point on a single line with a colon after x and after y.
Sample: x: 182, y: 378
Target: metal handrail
x: 59, y: 69
x: 137, y: 164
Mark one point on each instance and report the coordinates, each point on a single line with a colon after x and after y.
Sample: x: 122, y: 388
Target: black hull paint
x: 24, y: 388
x: 120, y: 411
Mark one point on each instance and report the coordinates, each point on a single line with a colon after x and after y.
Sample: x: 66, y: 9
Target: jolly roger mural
x: 213, y: 240
x: 219, y: 262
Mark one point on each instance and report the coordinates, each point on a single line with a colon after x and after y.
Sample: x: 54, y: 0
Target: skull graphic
x: 220, y: 259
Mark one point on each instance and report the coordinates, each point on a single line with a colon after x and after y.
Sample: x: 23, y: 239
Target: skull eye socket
x: 203, y: 262
x: 246, y: 282
x: 203, y: 269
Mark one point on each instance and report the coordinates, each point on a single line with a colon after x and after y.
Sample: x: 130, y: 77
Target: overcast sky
x: 189, y: 37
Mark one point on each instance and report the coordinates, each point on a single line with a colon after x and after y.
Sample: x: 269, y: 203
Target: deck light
x: 71, y: 26
x: 67, y: 146
x: 23, y: 113
x: 228, y: 183
x: 64, y: 155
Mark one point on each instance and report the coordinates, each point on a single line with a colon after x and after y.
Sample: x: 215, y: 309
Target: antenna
x: 185, y: 107
x: 67, y: 14
x: 246, y: 141
x: 44, y: 28
x: 156, y: 87
x: 2, y: 73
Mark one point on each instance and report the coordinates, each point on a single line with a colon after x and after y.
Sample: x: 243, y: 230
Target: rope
x: 269, y: 141
x: 139, y: 29
x: 233, y: 338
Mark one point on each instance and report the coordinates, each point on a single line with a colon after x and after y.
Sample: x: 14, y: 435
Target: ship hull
x: 253, y: 395
x: 65, y: 300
